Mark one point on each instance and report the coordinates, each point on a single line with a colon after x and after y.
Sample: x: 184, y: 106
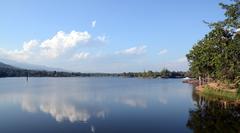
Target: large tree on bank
x: 217, y: 55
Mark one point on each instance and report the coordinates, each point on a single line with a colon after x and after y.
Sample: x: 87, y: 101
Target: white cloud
x: 14, y: 54
x: 163, y: 51
x: 94, y: 23
x: 182, y: 60
x: 81, y: 55
x: 133, y: 51
x: 102, y: 38
x: 53, y: 47
x: 50, y: 48
x: 22, y: 54
x: 27, y: 46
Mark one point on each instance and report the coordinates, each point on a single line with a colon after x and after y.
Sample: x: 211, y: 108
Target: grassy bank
x: 219, y: 94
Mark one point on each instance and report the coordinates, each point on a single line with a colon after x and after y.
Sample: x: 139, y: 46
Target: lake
x: 109, y: 105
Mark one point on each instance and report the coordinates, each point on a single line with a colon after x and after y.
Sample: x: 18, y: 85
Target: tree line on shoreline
x: 10, y: 71
x: 217, y: 55
x: 164, y: 73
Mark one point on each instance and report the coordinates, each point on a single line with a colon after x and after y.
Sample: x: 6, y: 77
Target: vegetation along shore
x: 215, y: 59
x: 12, y: 71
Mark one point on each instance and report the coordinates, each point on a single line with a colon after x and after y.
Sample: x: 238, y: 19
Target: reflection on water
x: 113, y: 105
x: 213, y: 116
x: 58, y: 106
x: 95, y: 105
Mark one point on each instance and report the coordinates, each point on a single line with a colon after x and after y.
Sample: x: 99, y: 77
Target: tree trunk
x: 200, y: 80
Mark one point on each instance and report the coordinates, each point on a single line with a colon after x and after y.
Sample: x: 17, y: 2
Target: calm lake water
x: 109, y: 105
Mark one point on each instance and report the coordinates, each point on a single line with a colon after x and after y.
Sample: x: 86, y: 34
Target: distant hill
x: 29, y: 66
x: 6, y: 66
x: 7, y: 70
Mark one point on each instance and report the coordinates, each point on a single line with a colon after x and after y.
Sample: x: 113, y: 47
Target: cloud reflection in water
x: 79, y: 104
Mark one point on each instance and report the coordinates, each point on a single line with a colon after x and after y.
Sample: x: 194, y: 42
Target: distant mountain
x: 29, y: 66
x: 13, y: 71
x: 6, y: 66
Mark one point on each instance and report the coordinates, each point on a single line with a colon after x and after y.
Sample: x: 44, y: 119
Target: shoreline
x: 216, y: 91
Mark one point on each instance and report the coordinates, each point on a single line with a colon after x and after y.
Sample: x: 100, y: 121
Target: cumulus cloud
x: 163, y: 51
x: 94, y: 23
x: 22, y: 54
x: 81, y: 55
x: 50, y: 48
x: 14, y: 54
x: 133, y: 51
x: 27, y: 46
x: 53, y: 47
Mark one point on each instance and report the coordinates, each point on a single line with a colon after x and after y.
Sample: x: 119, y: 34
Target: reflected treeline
x: 213, y: 116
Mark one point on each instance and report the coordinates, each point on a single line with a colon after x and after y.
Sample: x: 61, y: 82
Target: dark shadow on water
x: 210, y: 116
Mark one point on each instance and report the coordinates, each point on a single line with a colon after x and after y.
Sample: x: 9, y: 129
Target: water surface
x: 101, y: 105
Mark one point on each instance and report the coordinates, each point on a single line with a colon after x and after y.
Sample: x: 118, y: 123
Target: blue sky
x: 106, y: 35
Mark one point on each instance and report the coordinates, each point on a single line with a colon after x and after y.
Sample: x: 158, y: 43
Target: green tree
x: 217, y: 55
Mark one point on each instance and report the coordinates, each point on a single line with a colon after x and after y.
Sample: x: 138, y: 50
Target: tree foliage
x: 164, y: 73
x: 217, y: 55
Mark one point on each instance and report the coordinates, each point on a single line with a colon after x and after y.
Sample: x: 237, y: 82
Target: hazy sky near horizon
x: 104, y: 35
